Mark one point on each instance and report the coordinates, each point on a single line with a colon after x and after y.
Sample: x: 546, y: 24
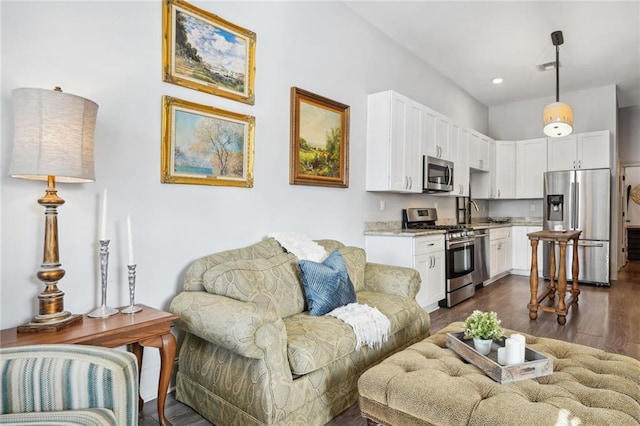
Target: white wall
x: 593, y: 109
x: 110, y: 52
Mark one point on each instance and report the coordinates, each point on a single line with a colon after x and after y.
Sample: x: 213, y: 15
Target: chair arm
x: 396, y: 280
x: 69, y: 377
x: 240, y: 327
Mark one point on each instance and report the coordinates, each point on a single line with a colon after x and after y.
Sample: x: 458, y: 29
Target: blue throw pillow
x: 326, y: 285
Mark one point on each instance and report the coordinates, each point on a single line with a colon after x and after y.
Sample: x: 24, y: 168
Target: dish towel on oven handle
x: 370, y: 326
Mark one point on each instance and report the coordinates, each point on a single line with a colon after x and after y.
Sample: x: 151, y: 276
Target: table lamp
x: 53, y: 140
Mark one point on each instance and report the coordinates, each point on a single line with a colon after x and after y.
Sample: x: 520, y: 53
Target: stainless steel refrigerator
x: 580, y: 199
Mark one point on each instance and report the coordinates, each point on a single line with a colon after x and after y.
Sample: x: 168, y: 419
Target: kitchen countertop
x: 399, y: 232
x: 394, y: 228
x: 485, y: 225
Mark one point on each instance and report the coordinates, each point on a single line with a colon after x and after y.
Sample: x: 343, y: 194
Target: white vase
x: 483, y: 346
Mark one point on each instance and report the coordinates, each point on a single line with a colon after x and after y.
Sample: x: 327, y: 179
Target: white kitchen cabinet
x: 579, y: 151
x: 521, y: 255
x: 459, y: 143
x: 436, y: 141
x: 499, y: 251
x: 394, y: 126
x: 432, y: 272
x: 493, y: 258
x: 479, y: 151
x: 531, y: 164
x: 423, y: 253
x: 594, y: 150
x: 505, y: 170
x: 483, y: 183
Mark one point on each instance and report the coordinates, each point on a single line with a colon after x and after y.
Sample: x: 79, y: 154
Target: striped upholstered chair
x: 68, y: 385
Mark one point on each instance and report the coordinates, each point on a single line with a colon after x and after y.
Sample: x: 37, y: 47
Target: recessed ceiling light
x: 497, y: 80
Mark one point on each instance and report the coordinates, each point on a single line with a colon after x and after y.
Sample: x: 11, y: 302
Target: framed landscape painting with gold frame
x: 204, y: 145
x: 319, y: 140
x: 204, y: 52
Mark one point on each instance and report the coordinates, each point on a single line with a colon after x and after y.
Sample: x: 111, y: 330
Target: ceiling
x: 473, y: 42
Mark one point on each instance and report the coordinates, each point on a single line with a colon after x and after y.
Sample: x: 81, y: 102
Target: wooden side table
x: 149, y: 327
x: 562, y: 306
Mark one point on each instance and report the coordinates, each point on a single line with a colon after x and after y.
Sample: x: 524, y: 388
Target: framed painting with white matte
x: 204, y: 52
x: 204, y: 145
x: 319, y: 140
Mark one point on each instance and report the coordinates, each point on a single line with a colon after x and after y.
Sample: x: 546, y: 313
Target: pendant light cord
x: 557, y: 74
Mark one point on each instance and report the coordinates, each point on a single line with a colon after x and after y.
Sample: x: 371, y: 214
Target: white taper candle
x: 130, y: 240
x: 103, y: 222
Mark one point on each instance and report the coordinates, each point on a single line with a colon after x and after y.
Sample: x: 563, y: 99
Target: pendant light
x: 558, y: 116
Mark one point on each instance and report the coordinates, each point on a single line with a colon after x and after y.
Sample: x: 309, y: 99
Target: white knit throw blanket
x: 370, y: 326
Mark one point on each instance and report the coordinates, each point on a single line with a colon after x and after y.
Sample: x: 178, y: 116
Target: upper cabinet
x: 436, y: 141
x: 479, y: 146
x: 459, y: 144
x: 579, y: 151
x: 505, y: 170
x: 394, y: 133
x: 531, y: 163
x: 483, y: 183
x: 519, y: 168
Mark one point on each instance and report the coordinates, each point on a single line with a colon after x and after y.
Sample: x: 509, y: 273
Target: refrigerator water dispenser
x: 555, y: 207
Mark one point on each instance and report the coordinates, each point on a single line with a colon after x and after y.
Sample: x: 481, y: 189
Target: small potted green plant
x: 484, y: 328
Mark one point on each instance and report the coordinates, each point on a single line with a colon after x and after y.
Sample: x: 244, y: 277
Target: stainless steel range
x: 459, y: 252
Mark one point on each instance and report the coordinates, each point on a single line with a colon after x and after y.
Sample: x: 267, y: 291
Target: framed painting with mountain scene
x: 204, y: 52
x: 319, y: 140
x: 204, y: 145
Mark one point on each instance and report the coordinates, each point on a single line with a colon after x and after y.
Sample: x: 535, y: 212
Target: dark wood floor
x: 605, y: 318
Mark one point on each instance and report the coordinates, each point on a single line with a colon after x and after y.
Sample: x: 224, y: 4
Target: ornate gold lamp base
x: 38, y: 325
x: 51, y: 314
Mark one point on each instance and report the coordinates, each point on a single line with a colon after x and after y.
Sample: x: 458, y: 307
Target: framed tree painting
x: 319, y: 140
x: 204, y: 145
x: 204, y: 52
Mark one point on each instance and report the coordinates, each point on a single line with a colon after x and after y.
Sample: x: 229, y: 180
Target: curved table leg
x: 138, y: 351
x: 167, y: 345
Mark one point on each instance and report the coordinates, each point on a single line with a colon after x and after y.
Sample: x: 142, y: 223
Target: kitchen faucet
x: 474, y: 205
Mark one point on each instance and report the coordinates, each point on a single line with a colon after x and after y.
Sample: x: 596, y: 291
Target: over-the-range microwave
x: 437, y: 175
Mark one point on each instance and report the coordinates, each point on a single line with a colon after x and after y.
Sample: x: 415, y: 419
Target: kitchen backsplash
x: 515, y: 208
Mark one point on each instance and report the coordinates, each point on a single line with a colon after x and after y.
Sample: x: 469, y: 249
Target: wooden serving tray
x: 535, y: 365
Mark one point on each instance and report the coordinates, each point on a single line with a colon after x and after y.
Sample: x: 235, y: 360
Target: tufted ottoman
x: 428, y: 384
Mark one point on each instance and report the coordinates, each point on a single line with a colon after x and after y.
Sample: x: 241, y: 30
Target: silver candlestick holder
x: 103, y: 311
x: 131, y: 309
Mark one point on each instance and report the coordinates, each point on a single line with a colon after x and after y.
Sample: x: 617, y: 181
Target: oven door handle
x: 461, y: 243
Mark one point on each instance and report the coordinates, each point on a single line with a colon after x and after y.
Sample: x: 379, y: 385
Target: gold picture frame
x: 319, y: 140
x: 204, y: 52
x: 203, y: 145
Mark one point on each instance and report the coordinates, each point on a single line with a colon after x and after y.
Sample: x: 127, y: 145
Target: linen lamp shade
x: 53, y: 136
x: 558, y: 120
